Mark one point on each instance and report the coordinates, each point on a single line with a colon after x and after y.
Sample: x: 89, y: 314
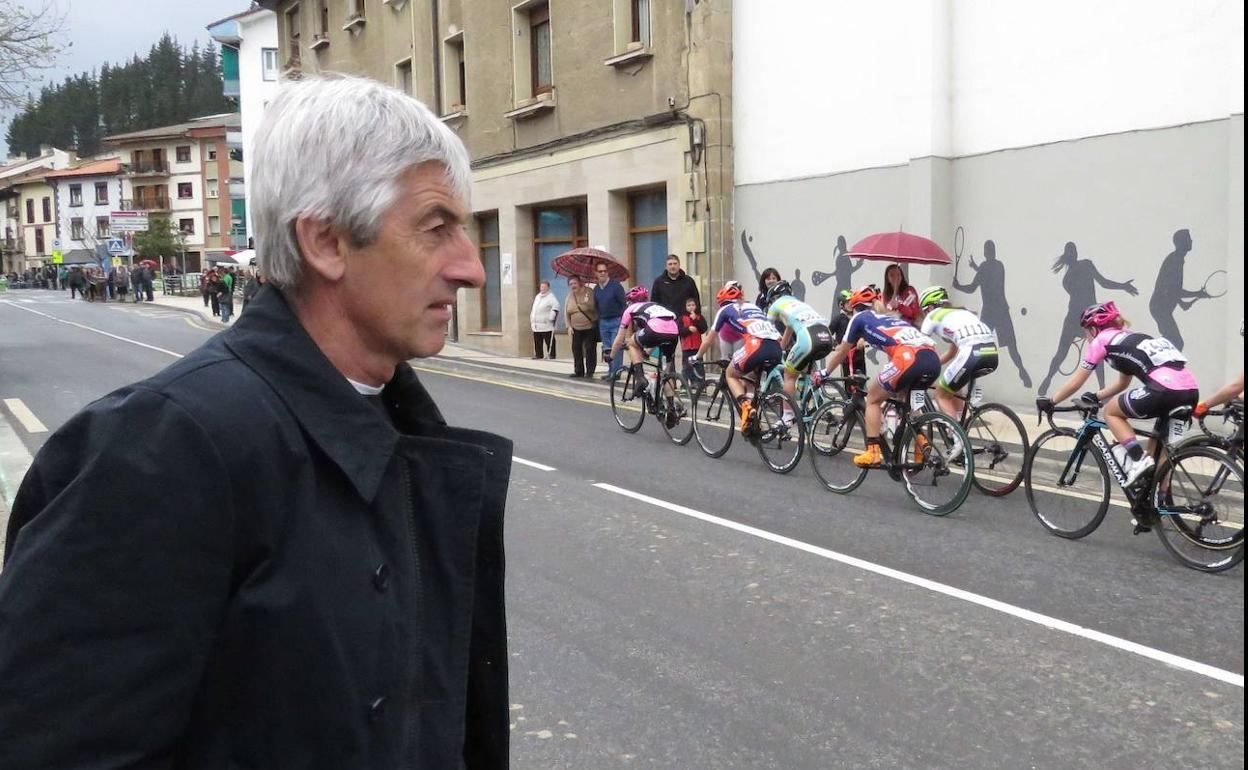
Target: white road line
x: 1056, y: 624
x: 531, y: 464
x: 92, y: 329
x: 26, y: 417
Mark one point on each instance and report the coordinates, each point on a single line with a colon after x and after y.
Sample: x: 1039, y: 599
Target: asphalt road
x: 849, y: 632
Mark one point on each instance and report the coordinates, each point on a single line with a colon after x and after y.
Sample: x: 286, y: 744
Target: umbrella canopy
x: 149, y: 263
x: 899, y: 247
x: 245, y: 257
x: 581, y: 262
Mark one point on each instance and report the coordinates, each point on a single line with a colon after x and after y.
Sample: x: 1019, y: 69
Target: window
x: 556, y: 230
x: 75, y: 195
x: 403, y: 76
x: 492, y: 292
x: 75, y: 229
x: 647, y: 234
x: 214, y: 225
x: 101, y: 192
x: 47, y: 209
x: 539, y: 49
x: 323, y: 16
x: 357, y: 9
x: 268, y: 63
x: 454, y: 87
x: 213, y: 188
x: 640, y: 18
x: 184, y: 153
x: 30, y: 211
x: 186, y: 226
x: 38, y: 240
x: 101, y: 227
x: 185, y: 191
x: 212, y: 153
x: 292, y: 32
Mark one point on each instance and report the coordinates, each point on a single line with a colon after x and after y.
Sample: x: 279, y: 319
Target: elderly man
x: 306, y: 568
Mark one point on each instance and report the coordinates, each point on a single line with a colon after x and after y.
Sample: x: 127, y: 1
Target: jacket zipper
x: 413, y: 727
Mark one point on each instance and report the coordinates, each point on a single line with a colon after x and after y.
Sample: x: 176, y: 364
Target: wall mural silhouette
x: 1080, y: 279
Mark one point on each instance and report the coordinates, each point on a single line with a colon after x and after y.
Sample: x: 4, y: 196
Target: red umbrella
x: 899, y: 247
x: 148, y: 263
x: 581, y: 263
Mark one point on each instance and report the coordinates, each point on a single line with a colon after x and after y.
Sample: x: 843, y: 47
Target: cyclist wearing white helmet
x: 972, y: 346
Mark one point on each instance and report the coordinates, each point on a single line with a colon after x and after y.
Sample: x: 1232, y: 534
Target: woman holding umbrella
x: 899, y: 296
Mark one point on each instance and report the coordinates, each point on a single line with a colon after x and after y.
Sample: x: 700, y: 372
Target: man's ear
x: 323, y: 249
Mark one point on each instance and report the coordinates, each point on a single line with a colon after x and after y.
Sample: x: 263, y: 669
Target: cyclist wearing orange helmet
x: 744, y: 321
x: 913, y: 362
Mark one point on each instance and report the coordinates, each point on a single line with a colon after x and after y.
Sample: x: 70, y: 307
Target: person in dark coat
x: 610, y: 304
x: 322, y: 585
x: 673, y: 287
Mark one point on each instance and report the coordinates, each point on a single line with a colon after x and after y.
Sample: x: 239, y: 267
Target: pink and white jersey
x: 1152, y: 359
x: 652, y: 316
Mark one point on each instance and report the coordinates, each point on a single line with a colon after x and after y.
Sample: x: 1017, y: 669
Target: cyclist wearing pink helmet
x: 1168, y: 384
x: 643, y: 326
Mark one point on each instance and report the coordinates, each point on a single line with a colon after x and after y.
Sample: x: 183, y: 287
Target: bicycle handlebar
x: 1087, y: 410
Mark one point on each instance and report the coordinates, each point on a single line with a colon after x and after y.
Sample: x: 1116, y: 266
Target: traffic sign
x: 56, y: 244
x: 127, y: 221
x: 57, y: 257
x: 116, y: 246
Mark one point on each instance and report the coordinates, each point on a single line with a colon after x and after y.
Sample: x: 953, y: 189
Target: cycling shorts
x: 810, y: 343
x: 757, y: 355
x: 971, y: 361
x: 910, y: 368
x: 648, y: 338
x: 1149, y: 401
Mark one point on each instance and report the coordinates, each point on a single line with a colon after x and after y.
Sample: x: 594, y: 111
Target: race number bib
x: 1161, y: 352
x: 972, y: 332
x: 807, y: 316
x: 977, y: 395
x: 1177, y: 429
x: 764, y: 330
x: 918, y: 399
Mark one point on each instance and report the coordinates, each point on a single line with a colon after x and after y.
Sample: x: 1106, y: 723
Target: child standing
x: 692, y: 327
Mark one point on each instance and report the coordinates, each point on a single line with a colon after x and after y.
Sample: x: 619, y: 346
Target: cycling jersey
x: 791, y: 312
x: 743, y: 319
x: 885, y: 332
x: 958, y: 326
x: 1155, y: 360
x: 652, y: 316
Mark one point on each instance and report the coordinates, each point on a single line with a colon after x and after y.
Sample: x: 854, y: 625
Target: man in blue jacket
x: 609, y: 299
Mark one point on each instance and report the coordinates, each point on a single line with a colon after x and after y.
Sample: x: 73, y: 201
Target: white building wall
x: 88, y: 211
x: 258, y: 31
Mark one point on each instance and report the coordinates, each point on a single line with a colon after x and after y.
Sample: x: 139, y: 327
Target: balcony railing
x: 147, y: 168
x: 149, y: 203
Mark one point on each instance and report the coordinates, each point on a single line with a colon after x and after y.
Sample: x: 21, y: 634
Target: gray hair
x: 334, y: 148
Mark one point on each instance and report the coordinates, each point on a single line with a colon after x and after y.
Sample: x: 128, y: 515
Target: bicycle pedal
x: 1140, y: 527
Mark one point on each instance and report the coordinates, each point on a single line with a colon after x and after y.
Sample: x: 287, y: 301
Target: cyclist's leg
x: 1119, y: 409
x: 952, y: 380
x: 795, y: 359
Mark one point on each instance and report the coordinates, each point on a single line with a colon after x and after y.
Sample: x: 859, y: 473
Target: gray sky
x: 114, y: 30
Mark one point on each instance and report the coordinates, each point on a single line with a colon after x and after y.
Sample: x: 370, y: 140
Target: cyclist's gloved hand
x: 1089, y: 399
x: 693, y: 361
x: 1201, y: 409
x: 1044, y: 404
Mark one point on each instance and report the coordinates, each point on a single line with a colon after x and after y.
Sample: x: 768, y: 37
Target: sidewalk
x: 194, y: 305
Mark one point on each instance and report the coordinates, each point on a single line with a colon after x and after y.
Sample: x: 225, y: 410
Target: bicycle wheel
x: 1072, y: 502
x: 999, y: 443
x: 674, y: 411
x: 939, y: 467
x: 780, y: 438
x: 714, y: 419
x: 837, y: 433
x: 1199, y: 496
x: 629, y: 410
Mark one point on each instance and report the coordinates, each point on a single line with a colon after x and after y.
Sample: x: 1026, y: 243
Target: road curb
x: 595, y: 389
x: 207, y: 318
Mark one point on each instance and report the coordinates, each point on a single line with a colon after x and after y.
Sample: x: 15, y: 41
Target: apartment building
x: 38, y: 217
x: 190, y: 174
x: 13, y: 172
x: 605, y: 124
x: 82, y: 198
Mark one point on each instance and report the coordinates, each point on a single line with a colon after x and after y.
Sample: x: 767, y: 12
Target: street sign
x: 58, y: 258
x: 116, y: 261
x: 116, y: 246
x: 127, y: 221
x: 56, y: 244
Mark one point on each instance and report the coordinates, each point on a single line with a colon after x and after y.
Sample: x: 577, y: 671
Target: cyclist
x: 744, y: 321
x: 913, y: 362
x: 858, y: 362
x: 1232, y: 389
x: 972, y: 346
x: 1155, y: 360
x: 644, y: 325
x: 805, y: 336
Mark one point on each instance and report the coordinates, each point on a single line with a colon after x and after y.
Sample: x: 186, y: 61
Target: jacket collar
x: 269, y: 339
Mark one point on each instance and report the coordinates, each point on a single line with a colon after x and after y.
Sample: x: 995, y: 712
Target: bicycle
x: 1232, y: 412
x: 669, y: 399
x: 715, y: 419
x: 809, y: 396
x: 1194, y: 499
x: 928, y: 452
x: 998, y: 440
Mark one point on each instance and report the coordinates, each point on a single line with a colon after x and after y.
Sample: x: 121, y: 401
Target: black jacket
x: 241, y: 563
x: 671, y: 293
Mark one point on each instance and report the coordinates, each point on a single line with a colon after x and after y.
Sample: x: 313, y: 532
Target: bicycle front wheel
x: 1200, y: 508
x: 675, y: 411
x: 1068, y: 490
x: 629, y: 410
x: 837, y: 433
x: 938, y: 467
x: 781, y: 431
x: 999, y: 443
x: 714, y: 418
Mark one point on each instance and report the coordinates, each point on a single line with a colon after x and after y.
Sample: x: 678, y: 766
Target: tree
x: 26, y: 46
x: 161, y: 239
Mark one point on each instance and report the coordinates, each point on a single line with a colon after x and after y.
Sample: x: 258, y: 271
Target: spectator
x: 225, y: 295
x: 323, y: 586
x: 692, y: 328
x: 673, y: 287
x: 583, y: 321
x: 609, y: 302
x: 542, y: 319
x: 122, y: 280
x: 899, y: 296
x: 62, y: 277
x: 252, y: 287
x: 769, y: 278
x: 136, y: 281
x: 205, y: 290
x: 214, y: 290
